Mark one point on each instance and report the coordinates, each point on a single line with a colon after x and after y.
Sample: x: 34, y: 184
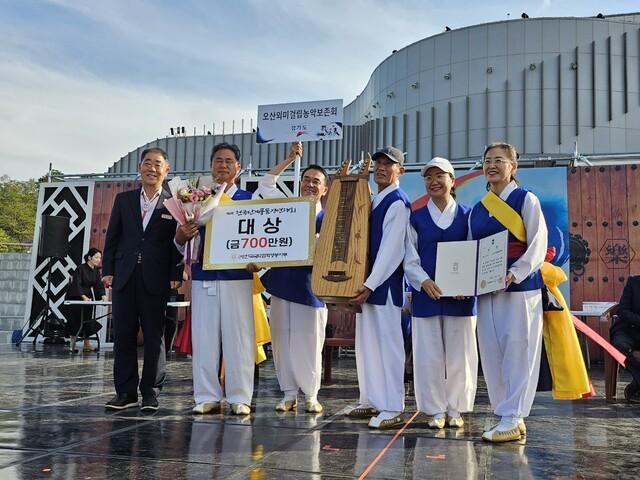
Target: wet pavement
x: 53, y: 425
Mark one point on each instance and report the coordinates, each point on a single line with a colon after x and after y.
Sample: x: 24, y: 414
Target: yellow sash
x: 261, y: 325
x: 506, y: 215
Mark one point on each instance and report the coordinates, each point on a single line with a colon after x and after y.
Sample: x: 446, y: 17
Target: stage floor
x: 53, y: 425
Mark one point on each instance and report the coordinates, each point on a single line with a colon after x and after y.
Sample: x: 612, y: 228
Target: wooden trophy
x: 341, y: 261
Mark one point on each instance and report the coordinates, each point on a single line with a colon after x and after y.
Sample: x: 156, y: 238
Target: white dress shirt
x: 147, y: 206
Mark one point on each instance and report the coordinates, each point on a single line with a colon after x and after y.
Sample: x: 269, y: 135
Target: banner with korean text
x: 268, y: 232
x: 299, y: 122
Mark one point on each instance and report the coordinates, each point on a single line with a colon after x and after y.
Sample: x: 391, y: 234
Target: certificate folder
x: 472, y: 267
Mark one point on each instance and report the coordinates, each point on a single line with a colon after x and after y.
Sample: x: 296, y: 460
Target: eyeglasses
x: 437, y: 176
x: 316, y: 182
x: 498, y: 162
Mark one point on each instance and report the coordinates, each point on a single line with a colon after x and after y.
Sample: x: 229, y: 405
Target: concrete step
x: 12, y: 309
x: 15, y: 256
x: 14, y: 285
x: 14, y: 264
x: 12, y: 297
x: 5, y: 337
x: 14, y: 274
x: 9, y: 324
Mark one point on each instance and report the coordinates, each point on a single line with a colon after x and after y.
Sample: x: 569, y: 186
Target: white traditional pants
x: 297, y: 338
x: 445, y: 363
x: 510, y: 343
x: 222, y: 322
x: 380, y: 357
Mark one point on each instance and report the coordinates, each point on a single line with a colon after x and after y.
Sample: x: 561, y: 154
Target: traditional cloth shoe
x: 437, y: 422
x: 387, y: 420
x: 522, y: 427
x: 205, y: 407
x: 362, y: 411
x: 455, y: 422
x: 285, y: 405
x: 240, y: 409
x: 496, y: 436
x: 312, y: 406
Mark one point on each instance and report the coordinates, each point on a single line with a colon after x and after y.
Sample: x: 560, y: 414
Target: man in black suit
x: 625, y: 335
x: 140, y: 263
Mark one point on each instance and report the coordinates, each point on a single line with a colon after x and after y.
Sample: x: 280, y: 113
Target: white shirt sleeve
x: 536, y: 226
x: 268, y: 187
x: 178, y: 246
x: 391, y: 251
x: 412, y: 266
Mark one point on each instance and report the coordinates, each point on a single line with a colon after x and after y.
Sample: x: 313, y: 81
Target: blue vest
x: 484, y: 225
x: 394, y: 282
x: 197, y: 273
x: 429, y: 234
x: 293, y: 283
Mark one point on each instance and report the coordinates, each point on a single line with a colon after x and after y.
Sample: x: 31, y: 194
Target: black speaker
x: 54, y: 237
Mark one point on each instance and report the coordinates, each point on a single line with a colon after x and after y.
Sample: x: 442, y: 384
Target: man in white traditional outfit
x: 298, y: 318
x: 222, y: 311
x: 380, y: 352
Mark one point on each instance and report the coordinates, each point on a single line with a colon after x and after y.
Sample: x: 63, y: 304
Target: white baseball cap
x: 442, y: 163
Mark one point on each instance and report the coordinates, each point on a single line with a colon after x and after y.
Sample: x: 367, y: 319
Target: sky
x: 83, y: 82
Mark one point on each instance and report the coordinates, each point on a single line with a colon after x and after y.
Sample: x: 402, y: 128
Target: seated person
x: 625, y: 335
x: 86, y: 284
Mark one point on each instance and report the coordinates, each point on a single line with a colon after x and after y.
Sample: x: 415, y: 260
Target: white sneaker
x: 240, y: 409
x: 206, y: 407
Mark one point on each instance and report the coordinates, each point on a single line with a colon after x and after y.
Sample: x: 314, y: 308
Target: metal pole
x: 296, y: 177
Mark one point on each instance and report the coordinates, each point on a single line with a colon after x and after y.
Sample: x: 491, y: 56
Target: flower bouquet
x: 190, y: 202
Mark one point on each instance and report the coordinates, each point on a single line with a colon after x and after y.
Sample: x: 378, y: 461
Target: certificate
x: 472, y: 267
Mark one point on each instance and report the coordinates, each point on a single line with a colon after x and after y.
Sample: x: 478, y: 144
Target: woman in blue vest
x: 445, y: 358
x: 510, y: 321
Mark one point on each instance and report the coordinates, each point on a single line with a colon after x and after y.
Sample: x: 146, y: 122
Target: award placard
x: 269, y: 232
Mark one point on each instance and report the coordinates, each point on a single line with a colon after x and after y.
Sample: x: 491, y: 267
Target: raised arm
x: 268, y: 185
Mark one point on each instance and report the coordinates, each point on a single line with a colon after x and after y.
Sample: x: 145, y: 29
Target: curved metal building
x: 542, y: 84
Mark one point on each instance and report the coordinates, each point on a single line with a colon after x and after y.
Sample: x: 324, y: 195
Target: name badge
x: 166, y: 216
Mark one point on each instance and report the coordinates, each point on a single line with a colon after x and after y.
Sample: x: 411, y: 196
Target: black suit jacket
x: 629, y: 307
x: 126, y: 239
